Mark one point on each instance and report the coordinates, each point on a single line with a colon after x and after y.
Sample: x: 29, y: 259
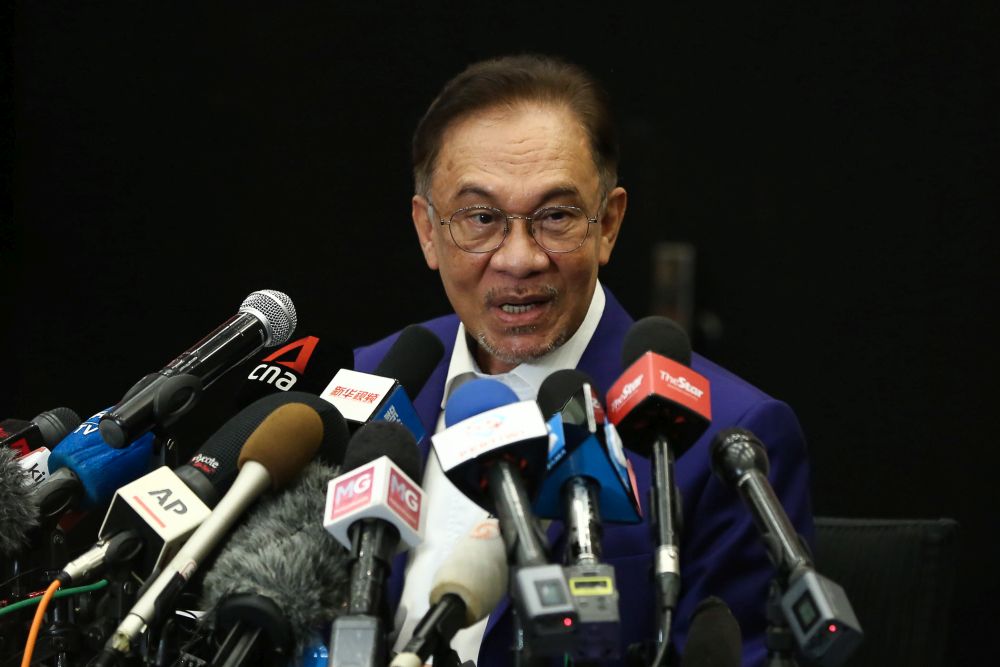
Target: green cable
x: 61, y: 593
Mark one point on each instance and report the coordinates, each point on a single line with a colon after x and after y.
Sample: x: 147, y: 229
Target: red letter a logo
x: 304, y: 345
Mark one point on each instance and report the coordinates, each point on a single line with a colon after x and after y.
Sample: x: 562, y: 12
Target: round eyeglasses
x: 481, y: 228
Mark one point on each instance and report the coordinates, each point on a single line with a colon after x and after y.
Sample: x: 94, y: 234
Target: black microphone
x: 165, y: 506
x: 278, y: 579
x: 814, y: 607
x: 661, y: 407
x: 372, y: 503
x: 45, y: 430
x: 714, y: 638
x: 265, y: 319
x: 272, y: 456
x: 590, y: 468
x: 494, y: 451
x: 387, y: 394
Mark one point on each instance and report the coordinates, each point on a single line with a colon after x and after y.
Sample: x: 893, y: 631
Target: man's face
x: 519, y: 301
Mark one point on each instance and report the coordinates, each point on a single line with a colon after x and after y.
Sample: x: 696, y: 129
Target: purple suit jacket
x: 721, y: 550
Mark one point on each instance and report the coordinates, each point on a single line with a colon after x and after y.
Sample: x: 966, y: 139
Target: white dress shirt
x: 450, y: 515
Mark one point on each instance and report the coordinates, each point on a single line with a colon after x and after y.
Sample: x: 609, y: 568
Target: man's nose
x: 519, y: 255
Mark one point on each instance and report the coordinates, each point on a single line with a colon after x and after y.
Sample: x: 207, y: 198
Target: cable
x: 36, y: 624
x: 63, y: 593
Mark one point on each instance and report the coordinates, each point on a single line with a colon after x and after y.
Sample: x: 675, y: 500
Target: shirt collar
x: 526, y: 378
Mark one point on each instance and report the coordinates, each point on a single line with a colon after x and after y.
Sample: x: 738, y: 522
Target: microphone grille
x: 275, y: 310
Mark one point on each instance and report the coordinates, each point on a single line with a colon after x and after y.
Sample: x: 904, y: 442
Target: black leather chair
x: 899, y: 575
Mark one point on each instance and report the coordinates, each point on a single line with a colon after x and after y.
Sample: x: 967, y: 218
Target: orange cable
x: 36, y: 624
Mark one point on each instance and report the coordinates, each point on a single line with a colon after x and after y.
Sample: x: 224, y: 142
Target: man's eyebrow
x: 551, y: 193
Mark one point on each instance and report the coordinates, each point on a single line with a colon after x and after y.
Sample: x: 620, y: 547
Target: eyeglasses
x: 482, y: 228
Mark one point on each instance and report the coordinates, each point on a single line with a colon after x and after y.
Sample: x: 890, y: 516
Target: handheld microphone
x: 387, y: 394
x: 278, y: 577
x: 590, y: 473
x: 18, y: 513
x: 661, y: 407
x: 816, y: 608
x: 274, y: 453
x: 369, y: 509
x: 45, y: 430
x: 497, y: 457
x: 265, y: 319
x: 714, y: 638
x: 468, y: 586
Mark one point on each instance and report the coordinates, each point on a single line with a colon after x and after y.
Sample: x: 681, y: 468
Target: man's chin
x: 512, y: 351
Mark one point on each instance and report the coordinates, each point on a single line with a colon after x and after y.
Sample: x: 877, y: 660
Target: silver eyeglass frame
x: 529, y: 219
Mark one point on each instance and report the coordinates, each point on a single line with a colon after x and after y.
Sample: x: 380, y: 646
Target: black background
x: 835, y: 166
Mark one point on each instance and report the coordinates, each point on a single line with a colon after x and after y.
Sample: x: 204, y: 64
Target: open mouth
x: 515, y: 308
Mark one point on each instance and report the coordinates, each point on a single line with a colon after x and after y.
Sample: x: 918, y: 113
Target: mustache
x: 498, y: 295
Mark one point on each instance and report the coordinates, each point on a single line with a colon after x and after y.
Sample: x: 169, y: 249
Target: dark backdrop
x: 834, y: 166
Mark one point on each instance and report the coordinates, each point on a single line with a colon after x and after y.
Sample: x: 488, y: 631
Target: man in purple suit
x: 517, y: 206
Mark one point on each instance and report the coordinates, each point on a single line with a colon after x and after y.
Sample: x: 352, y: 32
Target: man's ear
x: 611, y: 222
x: 424, y: 224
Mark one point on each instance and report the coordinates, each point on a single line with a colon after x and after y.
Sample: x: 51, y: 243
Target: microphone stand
x: 665, y: 520
x: 778, y: 638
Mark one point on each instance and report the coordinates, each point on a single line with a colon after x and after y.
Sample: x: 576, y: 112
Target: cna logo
x: 627, y: 391
x: 352, y: 493
x: 305, y: 346
x: 404, y: 499
x: 681, y: 383
x: 204, y: 463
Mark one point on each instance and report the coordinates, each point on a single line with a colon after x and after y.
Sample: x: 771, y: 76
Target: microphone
x: 18, y: 514
x: 45, y: 430
x: 468, y: 586
x: 494, y: 450
x: 274, y: 453
x: 387, y: 394
x: 816, y: 608
x: 584, y: 478
x: 166, y: 505
x: 585, y: 445
x: 661, y: 407
x: 85, y: 471
x: 370, y: 508
x: 714, y: 638
x: 265, y: 319
x: 278, y: 578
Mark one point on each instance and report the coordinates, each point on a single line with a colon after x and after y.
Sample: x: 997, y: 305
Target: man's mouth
x: 515, y: 308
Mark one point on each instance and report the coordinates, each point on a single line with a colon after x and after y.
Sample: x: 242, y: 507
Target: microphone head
x: 56, y: 424
x: 657, y: 334
x: 559, y: 388
x: 18, y: 511
x: 283, y: 553
x: 101, y: 468
x: 476, y: 571
x: 714, y: 638
x: 735, y: 452
x: 284, y: 441
x: 412, y: 359
x: 275, y: 311
x: 475, y: 397
x: 381, y: 438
